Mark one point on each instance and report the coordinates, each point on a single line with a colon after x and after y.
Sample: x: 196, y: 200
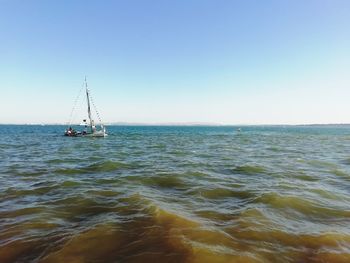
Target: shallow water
x: 175, y: 194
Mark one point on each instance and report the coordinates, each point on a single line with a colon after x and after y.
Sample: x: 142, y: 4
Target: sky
x: 183, y: 61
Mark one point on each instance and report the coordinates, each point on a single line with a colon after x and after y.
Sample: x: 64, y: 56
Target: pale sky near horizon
x: 218, y: 61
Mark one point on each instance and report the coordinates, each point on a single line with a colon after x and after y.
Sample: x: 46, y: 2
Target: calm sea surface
x: 175, y: 194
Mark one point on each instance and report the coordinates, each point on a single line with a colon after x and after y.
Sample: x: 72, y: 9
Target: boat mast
x: 88, y: 103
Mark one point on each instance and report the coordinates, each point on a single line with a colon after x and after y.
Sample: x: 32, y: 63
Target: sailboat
x: 90, y: 129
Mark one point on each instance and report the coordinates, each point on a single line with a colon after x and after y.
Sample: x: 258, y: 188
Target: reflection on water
x: 175, y: 194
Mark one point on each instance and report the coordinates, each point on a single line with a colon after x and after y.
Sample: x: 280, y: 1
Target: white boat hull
x: 84, y: 134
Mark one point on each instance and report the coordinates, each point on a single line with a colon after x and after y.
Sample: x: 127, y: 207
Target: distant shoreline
x: 183, y: 124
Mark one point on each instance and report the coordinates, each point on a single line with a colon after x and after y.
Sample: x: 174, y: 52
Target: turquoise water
x: 175, y: 194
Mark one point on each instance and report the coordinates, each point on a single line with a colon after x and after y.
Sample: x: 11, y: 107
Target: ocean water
x: 175, y: 194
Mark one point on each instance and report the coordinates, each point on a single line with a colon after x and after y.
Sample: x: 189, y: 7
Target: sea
x: 175, y: 194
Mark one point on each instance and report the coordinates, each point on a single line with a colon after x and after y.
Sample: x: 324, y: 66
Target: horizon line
x: 183, y: 124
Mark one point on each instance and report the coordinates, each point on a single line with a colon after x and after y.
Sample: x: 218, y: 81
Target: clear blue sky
x: 159, y: 61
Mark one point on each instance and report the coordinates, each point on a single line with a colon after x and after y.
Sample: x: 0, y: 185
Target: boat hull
x: 80, y: 134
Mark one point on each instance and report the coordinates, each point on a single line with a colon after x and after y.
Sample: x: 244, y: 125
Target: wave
x: 302, y: 205
x: 220, y: 193
x: 105, y: 166
x: 164, y: 181
x: 249, y: 169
